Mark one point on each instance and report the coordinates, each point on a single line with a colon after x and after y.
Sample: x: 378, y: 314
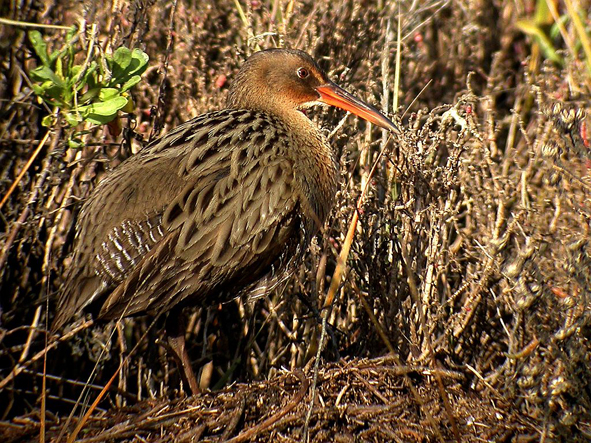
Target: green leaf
x: 75, y: 143
x: 38, y: 90
x: 106, y: 94
x: 75, y: 70
x: 137, y: 64
x: 89, y: 95
x: 542, y: 15
x: 72, y: 118
x: 120, y: 62
x: 54, y: 56
x: 71, y: 33
x: 59, y: 67
x: 555, y: 28
x: 99, y: 119
x: 88, y: 75
x: 92, y: 78
x: 129, y: 107
x: 48, y: 121
x: 109, y: 107
x: 61, y: 52
x: 134, y: 80
x: 39, y: 46
x: 44, y: 74
x: 530, y: 28
x: 56, y: 93
x: 103, y: 112
x: 122, y: 57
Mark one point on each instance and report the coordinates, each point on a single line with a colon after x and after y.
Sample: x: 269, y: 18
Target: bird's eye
x: 303, y: 73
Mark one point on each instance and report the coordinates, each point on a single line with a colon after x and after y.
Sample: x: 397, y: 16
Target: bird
x: 221, y: 206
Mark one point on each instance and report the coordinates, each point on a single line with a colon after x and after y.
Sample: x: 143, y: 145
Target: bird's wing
x: 232, y: 222
x: 195, y: 202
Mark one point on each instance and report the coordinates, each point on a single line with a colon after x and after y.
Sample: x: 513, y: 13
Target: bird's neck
x: 316, y: 167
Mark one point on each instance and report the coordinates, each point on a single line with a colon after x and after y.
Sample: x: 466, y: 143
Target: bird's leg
x: 175, y: 331
x: 329, y: 328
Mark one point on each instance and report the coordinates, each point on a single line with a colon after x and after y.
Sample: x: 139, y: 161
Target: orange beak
x: 334, y: 95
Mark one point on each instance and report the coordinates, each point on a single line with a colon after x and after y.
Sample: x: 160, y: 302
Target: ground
x: 464, y: 309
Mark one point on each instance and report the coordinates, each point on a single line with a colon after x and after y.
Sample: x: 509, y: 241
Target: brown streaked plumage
x: 217, y: 207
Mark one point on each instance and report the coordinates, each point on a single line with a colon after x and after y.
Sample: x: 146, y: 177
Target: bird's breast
x: 316, y: 171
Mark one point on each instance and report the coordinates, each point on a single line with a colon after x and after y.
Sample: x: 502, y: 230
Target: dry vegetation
x: 464, y: 312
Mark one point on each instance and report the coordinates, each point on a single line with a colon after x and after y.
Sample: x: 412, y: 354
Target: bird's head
x: 277, y: 80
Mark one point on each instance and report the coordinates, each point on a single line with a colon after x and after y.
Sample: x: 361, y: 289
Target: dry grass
x: 471, y: 257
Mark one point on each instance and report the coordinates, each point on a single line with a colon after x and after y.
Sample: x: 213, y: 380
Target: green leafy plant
x: 542, y: 30
x: 546, y: 26
x: 94, y: 90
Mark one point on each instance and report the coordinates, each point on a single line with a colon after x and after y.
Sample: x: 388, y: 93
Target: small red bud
x: 220, y: 81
